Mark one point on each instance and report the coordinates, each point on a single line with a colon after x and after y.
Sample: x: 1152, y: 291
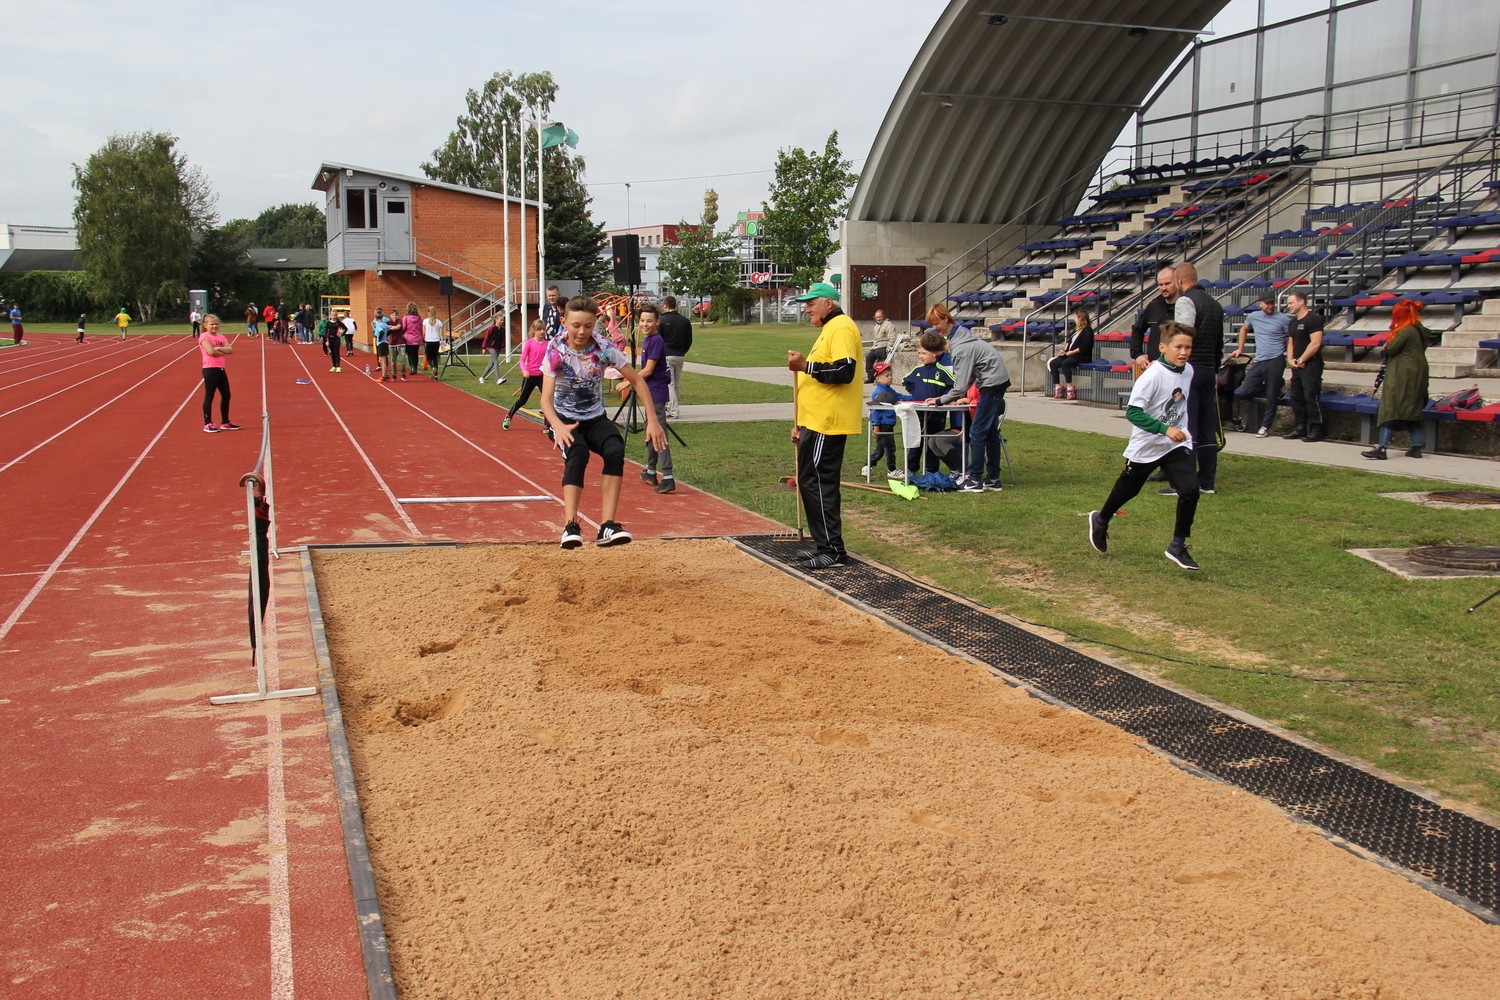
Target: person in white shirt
x: 432, y: 337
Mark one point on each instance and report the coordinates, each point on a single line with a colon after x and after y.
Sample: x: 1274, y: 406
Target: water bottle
x: 367, y: 369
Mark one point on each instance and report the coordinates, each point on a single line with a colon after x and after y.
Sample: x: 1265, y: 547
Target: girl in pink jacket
x: 531, y: 367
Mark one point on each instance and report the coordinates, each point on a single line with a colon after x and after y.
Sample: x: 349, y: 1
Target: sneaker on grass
x: 970, y: 485
x: 572, y: 537
x: 610, y: 533
x: 993, y: 486
x: 1098, y: 532
x: 1177, y: 552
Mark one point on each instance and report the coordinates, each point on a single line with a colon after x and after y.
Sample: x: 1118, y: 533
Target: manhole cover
x: 1471, y: 557
x: 1463, y: 496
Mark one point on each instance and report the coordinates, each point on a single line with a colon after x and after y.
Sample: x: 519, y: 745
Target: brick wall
x: 474, y: 227
x: 393, y: 290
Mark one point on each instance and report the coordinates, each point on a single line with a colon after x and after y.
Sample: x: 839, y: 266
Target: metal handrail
x: 1130, y: 254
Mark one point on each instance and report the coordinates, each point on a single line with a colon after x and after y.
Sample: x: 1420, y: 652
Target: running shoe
x: 971, y: 485
x: 825, y: 560
x: 1177, y: 552
x: 499, y: 381
x: 992, y: 486
x: 481, y: 380
x: 229, y: 427
x: 1098, y: 532
x: 648, y: 477
x: 667, y: 485
x: 610, y: 533
x: 572, y: 537
x: 505, y: 424
x: 403, y: 378
x: 210, y: 428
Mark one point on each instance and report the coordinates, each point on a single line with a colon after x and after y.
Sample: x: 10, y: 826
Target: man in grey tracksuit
x: 976, y: 363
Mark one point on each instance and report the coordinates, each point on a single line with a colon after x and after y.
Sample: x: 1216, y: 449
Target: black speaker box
x: 627, y: 254
x: 445, y: 285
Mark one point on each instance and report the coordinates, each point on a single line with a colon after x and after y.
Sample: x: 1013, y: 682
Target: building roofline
x: 319, y: 184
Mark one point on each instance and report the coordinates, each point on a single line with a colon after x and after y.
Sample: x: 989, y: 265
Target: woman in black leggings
x: 215, y: 347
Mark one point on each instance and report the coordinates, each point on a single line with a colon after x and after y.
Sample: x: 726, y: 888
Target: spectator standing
x: 83, y: 322
x: 283, y: 322
x: 1077, y: 351
x: 382, y: 329
x: 252, y: 321
x: 930, y: 380
x: 196, y: 319
x: 880, y: 347
x: 883, y: 422
x: 411, y: 332
x: 122, y: 320
x: 349, y: 325
x: 214, y: 347
x: 1201, y: 313
x: 494, y: 341
x: 977, y: 364
x: 829, y: 409
x: 531, y: 369
x: 1144, y: 345
x: 1264, y: 377
x: 1304, y: 353
x: 268, y: 313
x: 552, y: 317
x: 677, y: 334
x: 432, y: 339
x: 16, y: 329
x: 659, y: 381
x: 1403, y: 392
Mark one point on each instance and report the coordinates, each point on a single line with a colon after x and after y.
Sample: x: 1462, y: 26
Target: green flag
x: 558, y: 134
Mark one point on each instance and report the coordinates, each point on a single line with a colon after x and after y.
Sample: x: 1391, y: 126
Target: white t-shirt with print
x: 1163, y: 394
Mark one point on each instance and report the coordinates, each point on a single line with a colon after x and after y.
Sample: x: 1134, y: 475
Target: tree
x: 471, y: 156
x: 808, y: 198
x: 289, y: 227
x: 574, y: 240
x: 703, y: 262
x: 138, y: 209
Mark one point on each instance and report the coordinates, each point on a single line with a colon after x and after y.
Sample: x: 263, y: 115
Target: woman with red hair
x: 1403, y: 394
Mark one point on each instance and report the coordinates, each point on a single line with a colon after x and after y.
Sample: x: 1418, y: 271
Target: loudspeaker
x: 445, y: 285
x: 627, y: 253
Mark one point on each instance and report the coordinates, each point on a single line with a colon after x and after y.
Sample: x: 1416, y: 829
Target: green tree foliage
x: 47, y: 295
x: 808, y: 198
x: 703, y: 263
x: 299, y: 287
x: 574, y: 240
x: 285, y: 227
x: 471, y: 156
x: 219, y: 266
x: 138, y: 209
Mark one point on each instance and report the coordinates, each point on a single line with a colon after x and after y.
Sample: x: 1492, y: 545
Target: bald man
x: 1147, y: 329
x: 1197, y: 309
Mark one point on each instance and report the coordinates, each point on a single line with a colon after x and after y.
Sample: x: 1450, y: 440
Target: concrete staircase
x: 1461, y: 354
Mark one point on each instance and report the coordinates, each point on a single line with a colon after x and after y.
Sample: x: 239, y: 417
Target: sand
x: 666, y: 770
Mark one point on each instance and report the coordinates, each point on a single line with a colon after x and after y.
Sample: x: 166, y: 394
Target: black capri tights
x: 600, y: 436
x: 215, y: 380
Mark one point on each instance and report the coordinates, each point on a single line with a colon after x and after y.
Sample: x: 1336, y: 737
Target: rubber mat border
x: 1448, y: 852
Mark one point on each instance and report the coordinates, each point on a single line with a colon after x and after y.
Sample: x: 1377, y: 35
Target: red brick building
x: 396, y: 237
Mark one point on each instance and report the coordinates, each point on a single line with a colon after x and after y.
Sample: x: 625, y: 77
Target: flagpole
x: 521, y: 164
x: 505, y: 189
x: 541, y: 230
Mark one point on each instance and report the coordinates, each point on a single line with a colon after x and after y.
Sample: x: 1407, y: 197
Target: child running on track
x: 215, y: 347
x: 1158, y: 438
x: 573, y: 391
x: 531, y: 368
x: 122, y: 320
x: 83, y: 321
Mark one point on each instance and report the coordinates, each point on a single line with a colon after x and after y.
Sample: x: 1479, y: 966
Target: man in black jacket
x: 1144, y: 335
x: 677, y: 333
x: 1196, y: 308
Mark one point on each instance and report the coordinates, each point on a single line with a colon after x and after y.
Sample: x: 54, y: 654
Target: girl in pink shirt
x: 531, y: 367
x: 214, y: 347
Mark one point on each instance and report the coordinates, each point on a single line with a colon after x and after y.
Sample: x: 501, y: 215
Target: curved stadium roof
x: 1034, y: 102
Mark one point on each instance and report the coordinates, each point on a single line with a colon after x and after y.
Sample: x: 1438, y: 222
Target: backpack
x: 1463, y: 399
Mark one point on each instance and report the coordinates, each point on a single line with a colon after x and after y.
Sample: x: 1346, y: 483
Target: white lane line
x: 86, y: 416
x: 492, y: 457
x: 35, y: 358
x: 62, y: 557
x: 389, y: 493
x: 71, y: 385
x: 278, y: 878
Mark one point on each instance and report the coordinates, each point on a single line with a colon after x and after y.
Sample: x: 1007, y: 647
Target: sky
x: 670, y: 96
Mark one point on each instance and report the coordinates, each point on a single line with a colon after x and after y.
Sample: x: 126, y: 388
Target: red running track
x: 158, y: 846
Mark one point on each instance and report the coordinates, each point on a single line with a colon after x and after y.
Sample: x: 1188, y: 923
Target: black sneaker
x: 824, y: 560
x: 572, y: 537
x: 1170, y: 491
x: 992, y: 486
x: 610, y: 533
x: 971, y: 485
x: 667, y: 486
x: 1178, y: 553
x: 1098, y: 532
x: 648, y: 477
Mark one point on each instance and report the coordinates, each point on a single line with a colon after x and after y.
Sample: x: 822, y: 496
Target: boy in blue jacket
x: 883, y: 422
x: 929, y: 380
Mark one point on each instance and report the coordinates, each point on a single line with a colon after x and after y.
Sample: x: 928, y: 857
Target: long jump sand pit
x: 667, y: 770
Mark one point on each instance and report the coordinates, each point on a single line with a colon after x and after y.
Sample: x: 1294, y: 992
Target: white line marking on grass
x: 51, y: 570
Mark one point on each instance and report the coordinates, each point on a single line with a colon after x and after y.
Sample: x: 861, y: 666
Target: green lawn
x: 1281, y: 622
x: 749, y: 345
x: 697, y: 389
x: 104, y: 326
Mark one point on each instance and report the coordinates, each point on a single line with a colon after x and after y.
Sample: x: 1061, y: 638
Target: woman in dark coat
x: 1403, y: 394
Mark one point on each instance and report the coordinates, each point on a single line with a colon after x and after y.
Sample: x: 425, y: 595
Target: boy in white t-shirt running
x: 1158, y: 438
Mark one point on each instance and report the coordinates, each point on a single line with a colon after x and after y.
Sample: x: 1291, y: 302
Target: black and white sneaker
x: 572, y: 537
x: 824, y: 560
x: 1178, y: 553
x: 993, y: 486
x: 1098, y: 532
x: 970, y: 485
x: 610, y: 533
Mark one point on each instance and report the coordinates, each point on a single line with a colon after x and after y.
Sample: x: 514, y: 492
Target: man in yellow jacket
x: 829, y: 408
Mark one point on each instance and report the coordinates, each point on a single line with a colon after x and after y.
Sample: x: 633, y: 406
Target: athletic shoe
x: 824, y: 560
x: 481, y: 380
x: 1177, y: 552
x: 229, y: 427
x: 864, y: 470
x: 1170, y: 491
x: 403, y: 378
x: 610, y: 533
x: 992, y: 486
x: 1263, y: 432
x: 210, y: 428
x: 1098, y: 532
x: 505, y: 424
x: 1206, y: 491
x: 1072, y: 392
x: 1057, y: 391
x: 968, y: 485
x: 648, y: 476
x: 899, y: 475
x: 333, y: 369
x: 805, y: 554
x: 572, y: 537
x: 667, y: 485
x: 1296, y: 435
x: 499, y: 381
x: 1414, y: 452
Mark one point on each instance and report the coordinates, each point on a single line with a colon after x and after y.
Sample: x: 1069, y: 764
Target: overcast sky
x: 259, y: 94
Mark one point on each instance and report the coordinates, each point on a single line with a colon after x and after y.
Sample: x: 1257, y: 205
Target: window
x: 1452, y: 29
x: 1371, y: 40
x: 363, y: 211
x: 1285, y: 10
x: 1176, y: 98
x: 1226, y: 72
x: 1294, y: 58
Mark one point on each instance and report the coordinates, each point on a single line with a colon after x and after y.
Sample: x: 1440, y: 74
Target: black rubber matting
x: 1454, y: 851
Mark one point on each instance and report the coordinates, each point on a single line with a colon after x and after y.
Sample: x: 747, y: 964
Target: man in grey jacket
x: 976, y: 363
